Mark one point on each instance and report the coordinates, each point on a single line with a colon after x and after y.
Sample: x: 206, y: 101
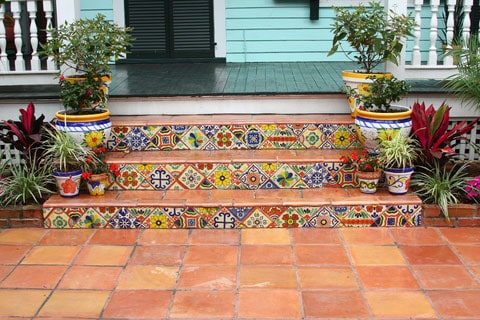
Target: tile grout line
x: 297, y: 275
x: 237, y: 283
x: 361, y: 289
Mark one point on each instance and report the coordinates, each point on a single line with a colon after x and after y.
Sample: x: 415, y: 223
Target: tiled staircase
x: 232, y: 171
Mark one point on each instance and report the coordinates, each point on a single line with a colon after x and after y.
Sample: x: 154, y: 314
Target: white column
x: 417, y: 33
x: 432, y: 53
x: 32, y: 11
x: 67, y: 10
x: 48, y: 9
x: 17, y: 29
x: 4, y: 65
x: 399, y: 7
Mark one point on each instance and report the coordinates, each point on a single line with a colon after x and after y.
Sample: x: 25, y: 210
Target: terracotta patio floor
x: 374, y: 273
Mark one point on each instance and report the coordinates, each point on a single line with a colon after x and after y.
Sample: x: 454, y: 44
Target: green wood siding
x: 273, y: 30
x: 90, y: 8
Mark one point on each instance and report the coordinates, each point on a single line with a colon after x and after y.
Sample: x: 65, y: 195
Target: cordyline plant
x: 25, y: 135
x: 430, y: 127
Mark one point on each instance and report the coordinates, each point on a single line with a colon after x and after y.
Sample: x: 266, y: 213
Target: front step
x: 332, y: 207
x: 232, y: 171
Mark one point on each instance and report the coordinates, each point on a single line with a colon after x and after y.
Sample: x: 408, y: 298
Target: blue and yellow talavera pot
x: 372, y: 127
x: 89, y: 130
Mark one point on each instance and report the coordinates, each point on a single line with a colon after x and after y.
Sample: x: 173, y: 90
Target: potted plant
x: 367, y: 169
x: 397, y: 156
x: 84, y: 50
x: 377, y: 115
x: 97, y: 173
x: 68, y: 157
x: 374, y: 36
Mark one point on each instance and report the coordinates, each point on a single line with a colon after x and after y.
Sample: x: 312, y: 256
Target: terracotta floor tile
x: 229, y: 237
x: 87, y: 277
x: 445, y: 277
x: 376, y: 255
x: 216, y: 255
x: 430, y: 255
x: 315, y: 236
x: 280, y: 277
x: 421, y: 236
x: 4, y: 271
x: 400, y: 304
x: 320, y: 254
x: 266, y: 254
x: 469, y: 236
x: 208, y: 277
x: 476, y: 271
x: 51, y: 255
x: 265, y: 236
x: 21, y: 303
x: 138, y: 304
x: 12, y: 254
x: 328, y: 304
x: 34, y: 277
x: 173, y: 236
x: 21, y: 236
x: 386, y: 277
x: 354, y: 236
x: 103, y: 255
x: 67, y: 236
x: 327, y: 278
x: 148, y: 277
x: 75, y: 303
x: 115, y: 237
x: 158, y: 255
x: 273, y: 303
x: 203, y: 304
x: 451, y: 303
x: 469, y: 254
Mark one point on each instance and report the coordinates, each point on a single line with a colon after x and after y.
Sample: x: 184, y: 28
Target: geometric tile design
x: 223, y: 217
x: 233, y: 137
x: 229, y: 176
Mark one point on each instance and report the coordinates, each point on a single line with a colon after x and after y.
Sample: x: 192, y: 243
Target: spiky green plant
x: 466, y: 83
x: 27, y: 183
x: 398, y: 151
x: 440, y: 185
x: 64, y: 151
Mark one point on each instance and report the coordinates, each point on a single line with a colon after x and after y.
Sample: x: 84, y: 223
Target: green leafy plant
x: 87, y: 45
x: 440, y: 185
x: 466, y: 83
x: 82, y: 93
x: 64, y: 151
x: 430, y: 127
x: 379, y: 95
x: 397, y: 151
x: 374, y: 35
x: 25, y: 184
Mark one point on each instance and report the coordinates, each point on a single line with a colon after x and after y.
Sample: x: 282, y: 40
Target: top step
x: 233, y: 131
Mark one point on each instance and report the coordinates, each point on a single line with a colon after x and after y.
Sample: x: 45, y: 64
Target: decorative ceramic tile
x: 194, y: 139
x: 290, y: 218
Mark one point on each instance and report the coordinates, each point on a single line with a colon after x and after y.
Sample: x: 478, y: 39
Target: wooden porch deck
x: 217, y: 79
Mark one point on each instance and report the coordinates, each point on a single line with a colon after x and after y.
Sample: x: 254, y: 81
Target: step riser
x: 240, y: 175
x: 267, y: 136
x: 227, y: 217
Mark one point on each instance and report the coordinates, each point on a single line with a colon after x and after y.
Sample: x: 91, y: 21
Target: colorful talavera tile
x: 194, y: 139
x: 190, y: 178
x: 253, y: 178
x: 290, y: 218
x: 285, y: 177
x: 253, y: 138
x: 256, y: 219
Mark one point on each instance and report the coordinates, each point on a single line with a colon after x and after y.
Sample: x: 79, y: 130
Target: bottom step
x: 295, y: 208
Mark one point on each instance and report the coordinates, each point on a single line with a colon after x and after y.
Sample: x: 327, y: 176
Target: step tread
x: 226, y: 156
x: 241, y: 119
x: 234, y: 198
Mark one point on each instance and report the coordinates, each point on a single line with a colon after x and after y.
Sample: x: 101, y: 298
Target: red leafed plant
x: 364, y: 162
x: 430, y: 128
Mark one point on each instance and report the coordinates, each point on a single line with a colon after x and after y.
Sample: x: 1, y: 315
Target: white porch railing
x: 23, y: 24
x: 437, y: 23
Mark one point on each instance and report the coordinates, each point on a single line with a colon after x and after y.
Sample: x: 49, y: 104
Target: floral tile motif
x: 233, y: 136
x: 234, y: 217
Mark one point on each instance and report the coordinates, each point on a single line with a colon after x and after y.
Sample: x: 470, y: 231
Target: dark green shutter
x: 170, y: 29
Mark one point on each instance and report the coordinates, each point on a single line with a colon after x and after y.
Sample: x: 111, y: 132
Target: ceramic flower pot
x: 97, y: 184
x: 355, y: 84
x: 398, y: 179
x: 68, y: 183
x: 368, y: 181
x: 90, y: 130
x: 372, y: 127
